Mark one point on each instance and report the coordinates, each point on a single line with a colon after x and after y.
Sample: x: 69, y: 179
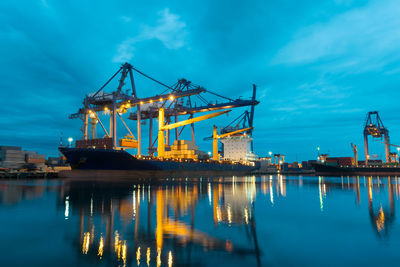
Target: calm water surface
x: 236, y: 221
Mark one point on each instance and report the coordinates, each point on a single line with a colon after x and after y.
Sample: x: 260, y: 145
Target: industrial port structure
x: 374, y: 127
x: 352, y: 166
x: 181, y: 99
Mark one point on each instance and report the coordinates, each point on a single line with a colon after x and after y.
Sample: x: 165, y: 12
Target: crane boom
x: 235, y: 132
x: 193, y: 120
x: 391, y: 144
x: 162, y: 128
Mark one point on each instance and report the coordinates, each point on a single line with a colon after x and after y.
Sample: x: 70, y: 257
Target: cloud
x: 126, y: 18
x: 361, y: 39
x: 125, y: 51
x: 170, y: 30
x: 316, y: 88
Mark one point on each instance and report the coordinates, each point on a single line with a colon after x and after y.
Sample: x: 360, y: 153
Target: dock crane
x: 191, y: 104
x: 162, y: 127
x: 393, y: 155
x: 374, y: 127
x: 216, y: 136
x: 182, y: 98
x: 118, y: 102
x: 354, y: 148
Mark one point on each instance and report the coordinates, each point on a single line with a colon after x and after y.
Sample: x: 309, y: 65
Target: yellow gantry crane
x: 162, y: 127
x: 216, y: 137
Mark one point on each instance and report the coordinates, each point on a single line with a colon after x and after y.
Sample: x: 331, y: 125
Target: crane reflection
x: 155, y: 224
x: 179, y: 221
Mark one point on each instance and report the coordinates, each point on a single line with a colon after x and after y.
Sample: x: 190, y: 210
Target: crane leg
x: 176, y: 129
x: 215, y: 143
x: 150, y: 136
x: 161, y: 139
x: 366, y: 147
x: 139, y: 131
x: 114, y: 123
x: 192, y: 128
x: 387, y: 149
x: 85, y: 126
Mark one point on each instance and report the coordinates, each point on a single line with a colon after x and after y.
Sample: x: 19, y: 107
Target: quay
x: 29, y: 175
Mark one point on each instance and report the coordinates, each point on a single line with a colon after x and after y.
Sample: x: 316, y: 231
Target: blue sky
x: 320, y: 66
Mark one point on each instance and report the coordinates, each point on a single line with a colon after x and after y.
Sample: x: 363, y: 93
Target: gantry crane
x: 172, y: 100
x: 217, y: 136
x: 354, y: 148
x: 119, y: 102
x: 162, y: 127
x: 242, y: 123
x: 191, y: 104
x: 374, y: 127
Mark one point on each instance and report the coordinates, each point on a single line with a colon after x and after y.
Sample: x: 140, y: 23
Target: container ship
x: 352, y: 166
x: 182, y: 156
x: 374, y: 170
x: 348, y: 166
x: 109, y: 159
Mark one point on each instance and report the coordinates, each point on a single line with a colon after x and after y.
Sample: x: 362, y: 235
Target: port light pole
x: 70, y: 140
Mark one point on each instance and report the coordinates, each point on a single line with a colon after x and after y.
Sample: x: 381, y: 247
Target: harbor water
x: 230, y: 221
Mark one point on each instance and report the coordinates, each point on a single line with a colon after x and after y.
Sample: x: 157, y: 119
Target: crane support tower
x: 374, y: 127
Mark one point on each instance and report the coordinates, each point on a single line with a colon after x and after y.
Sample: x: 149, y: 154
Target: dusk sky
x: 319, y: 65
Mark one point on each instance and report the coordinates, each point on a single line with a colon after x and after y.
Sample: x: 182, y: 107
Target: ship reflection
x: 185, y: 222
x: 156, y: 224
x: 381, y: 210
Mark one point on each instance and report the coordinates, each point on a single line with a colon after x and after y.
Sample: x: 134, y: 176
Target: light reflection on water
x: 236, y: 221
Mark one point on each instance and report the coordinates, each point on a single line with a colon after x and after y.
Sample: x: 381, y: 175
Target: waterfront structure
x: 181, y: 99
x: 374, y: 127
x: 104, y: 153
x: 13, y: 157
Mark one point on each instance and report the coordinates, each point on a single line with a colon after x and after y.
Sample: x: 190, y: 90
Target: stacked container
x: 183, y: 149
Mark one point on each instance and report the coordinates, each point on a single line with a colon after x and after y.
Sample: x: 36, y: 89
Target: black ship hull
x: 120, y: 160
x: 322, y: 169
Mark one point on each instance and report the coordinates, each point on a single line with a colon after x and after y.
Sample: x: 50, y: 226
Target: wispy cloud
x: 170, y: 30
x: 361, y: 39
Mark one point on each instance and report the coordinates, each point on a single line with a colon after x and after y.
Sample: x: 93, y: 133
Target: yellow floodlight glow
x: 123, y: 256
x: 171, y: 97
x: 170, y: 259
x: 138, y: 256
x: 161, y: 99
x: 151, y: 100
x: 85, y: 245
x: 101, y: 248
x: 141, y: 102
x: 158, y: 257
x: 148, y: 256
